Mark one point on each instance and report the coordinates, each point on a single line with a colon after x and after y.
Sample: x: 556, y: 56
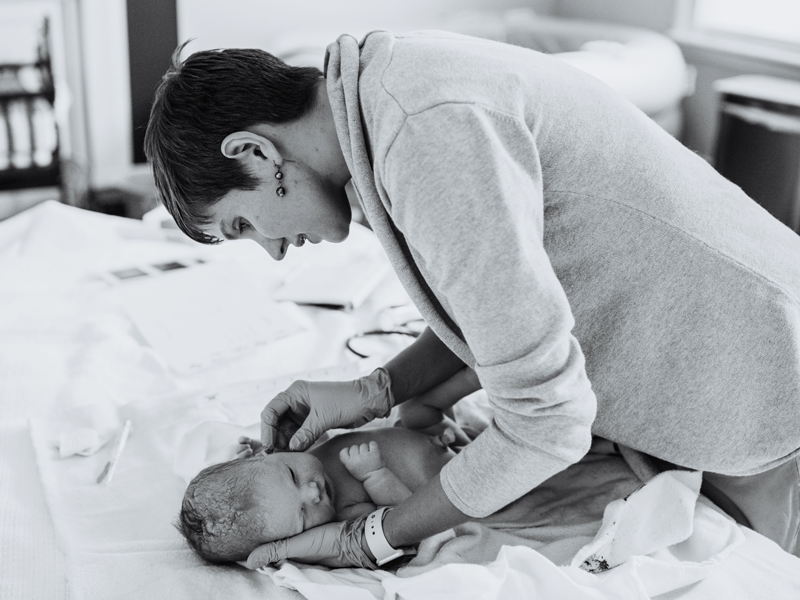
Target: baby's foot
x: 362, y: 459
x: 446, y: 439
x: 248, y: 447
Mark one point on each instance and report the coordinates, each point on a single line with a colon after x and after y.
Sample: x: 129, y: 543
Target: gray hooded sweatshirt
x: 552, y: 236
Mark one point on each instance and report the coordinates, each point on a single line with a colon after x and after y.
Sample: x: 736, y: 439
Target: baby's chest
x: 349, y: 492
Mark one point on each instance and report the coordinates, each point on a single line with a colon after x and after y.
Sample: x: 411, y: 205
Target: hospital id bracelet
x: 376, y: 539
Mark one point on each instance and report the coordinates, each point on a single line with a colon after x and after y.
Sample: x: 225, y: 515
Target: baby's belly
x: 412, y: 456
x: 415, y: 456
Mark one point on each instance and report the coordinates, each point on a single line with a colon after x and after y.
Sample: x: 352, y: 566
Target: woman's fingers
x: 331, y: 544
x: 266, y: 554
x: 323, y: 405
x: 269, y: 422
x: 292, y: 403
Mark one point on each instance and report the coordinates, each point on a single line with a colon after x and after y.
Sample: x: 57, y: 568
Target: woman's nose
x: 311, y: 492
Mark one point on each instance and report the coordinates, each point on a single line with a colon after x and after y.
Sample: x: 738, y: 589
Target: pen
x: 119, y: 446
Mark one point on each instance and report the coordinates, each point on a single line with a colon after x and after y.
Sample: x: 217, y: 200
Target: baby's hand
x: 362, y: 460
x: 248, y: 447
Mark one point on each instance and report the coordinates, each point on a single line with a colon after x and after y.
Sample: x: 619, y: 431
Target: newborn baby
x: 231, y: 508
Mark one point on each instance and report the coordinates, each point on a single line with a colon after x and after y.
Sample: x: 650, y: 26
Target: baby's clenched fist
x: 362, y: 459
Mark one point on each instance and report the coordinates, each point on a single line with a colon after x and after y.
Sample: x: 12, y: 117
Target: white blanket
x: 684, y: 543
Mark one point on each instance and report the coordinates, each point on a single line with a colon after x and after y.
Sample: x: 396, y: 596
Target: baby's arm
x: 364, y: 462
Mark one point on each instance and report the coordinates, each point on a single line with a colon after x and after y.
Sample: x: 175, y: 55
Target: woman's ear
x: 245, y: 145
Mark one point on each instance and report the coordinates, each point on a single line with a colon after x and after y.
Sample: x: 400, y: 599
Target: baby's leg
x: 365, y: 463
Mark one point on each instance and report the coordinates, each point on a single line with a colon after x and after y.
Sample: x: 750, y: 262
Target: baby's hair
x: 215, y: 517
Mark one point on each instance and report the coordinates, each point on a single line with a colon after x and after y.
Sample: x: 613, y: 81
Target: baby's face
x: 293, y: 491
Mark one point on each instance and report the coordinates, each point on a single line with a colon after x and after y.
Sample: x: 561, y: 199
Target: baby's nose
x: 312, y: 492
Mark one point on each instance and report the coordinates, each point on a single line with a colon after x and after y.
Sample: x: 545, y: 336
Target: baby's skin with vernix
x: 231, y: 508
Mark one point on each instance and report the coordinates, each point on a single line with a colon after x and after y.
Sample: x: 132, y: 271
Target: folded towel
x: 84, y: 430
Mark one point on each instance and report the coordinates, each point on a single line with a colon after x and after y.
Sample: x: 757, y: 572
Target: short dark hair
x: 201, y: 101
x: 215, y: 518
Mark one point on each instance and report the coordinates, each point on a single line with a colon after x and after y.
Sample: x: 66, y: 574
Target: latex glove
x: 331, y: 545
x: 324, y: 405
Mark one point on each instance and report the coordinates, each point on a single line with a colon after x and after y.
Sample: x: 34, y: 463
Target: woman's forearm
x: 427, y: 512
x: 423, y: 365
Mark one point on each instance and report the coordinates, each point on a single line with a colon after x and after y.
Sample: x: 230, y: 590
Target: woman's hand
x: 332, y: 545
x: 324, y: 405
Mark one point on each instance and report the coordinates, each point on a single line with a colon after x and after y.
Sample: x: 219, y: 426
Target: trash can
x: 758, y: 143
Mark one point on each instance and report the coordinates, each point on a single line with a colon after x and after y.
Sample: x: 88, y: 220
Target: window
x: 777, y: 20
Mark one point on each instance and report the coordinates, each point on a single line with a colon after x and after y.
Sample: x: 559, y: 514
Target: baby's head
x: 231, y: 508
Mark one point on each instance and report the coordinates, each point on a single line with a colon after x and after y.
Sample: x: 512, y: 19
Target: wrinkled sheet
x: 123, y: 531
x: 118, y: 538
x: 718, y: 560
x: 65, y: 342
x: 597, y: 508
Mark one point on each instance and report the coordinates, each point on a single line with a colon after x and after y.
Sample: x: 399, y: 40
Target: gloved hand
x: 332, y: 545
x: 324, y: 405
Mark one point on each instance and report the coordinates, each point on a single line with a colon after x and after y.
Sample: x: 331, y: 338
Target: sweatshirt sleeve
x: 465, y: 186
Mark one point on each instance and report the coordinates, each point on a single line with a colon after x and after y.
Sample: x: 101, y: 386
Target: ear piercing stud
x: 281, y: 191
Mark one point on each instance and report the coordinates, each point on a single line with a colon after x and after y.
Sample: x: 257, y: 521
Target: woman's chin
x: 340, y: 234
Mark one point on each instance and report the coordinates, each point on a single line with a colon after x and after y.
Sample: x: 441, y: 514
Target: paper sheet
x: 208, y: 313
x: 344, y: 285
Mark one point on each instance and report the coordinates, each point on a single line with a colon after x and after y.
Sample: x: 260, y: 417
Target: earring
x: 281, y: 191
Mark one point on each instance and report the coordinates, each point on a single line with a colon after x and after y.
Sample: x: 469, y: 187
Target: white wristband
x: 376, y: 540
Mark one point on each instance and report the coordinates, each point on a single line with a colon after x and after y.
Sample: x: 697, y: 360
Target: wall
x: 96, y: 45
x: 712, y: 57
x: 100, y: 51
x: 103, y: 31
x: 717, y: 59
x: 270, y: 23
x: 653, y: 14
